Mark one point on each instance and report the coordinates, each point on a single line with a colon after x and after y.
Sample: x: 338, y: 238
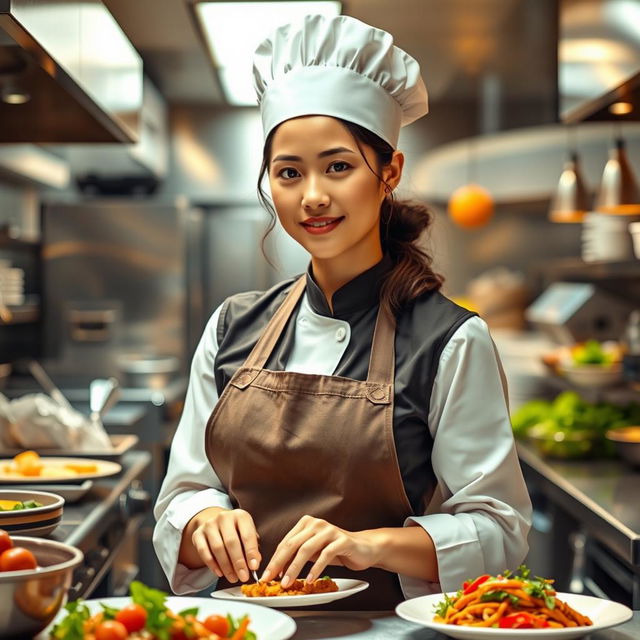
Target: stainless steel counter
x: 601, y: 494
x: 361, y: 625
x: 593, y: 545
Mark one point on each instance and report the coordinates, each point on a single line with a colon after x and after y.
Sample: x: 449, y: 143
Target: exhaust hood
x: 67, y: 74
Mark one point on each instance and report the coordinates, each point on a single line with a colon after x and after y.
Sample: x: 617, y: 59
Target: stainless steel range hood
x: 67, y: 74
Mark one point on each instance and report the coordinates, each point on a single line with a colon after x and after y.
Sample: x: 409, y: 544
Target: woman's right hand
x: 225, y: 540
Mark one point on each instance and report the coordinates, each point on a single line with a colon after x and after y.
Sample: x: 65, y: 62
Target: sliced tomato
x: 470, y: 587
x: 522, y: 620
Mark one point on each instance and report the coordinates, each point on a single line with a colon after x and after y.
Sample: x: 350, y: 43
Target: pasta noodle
x: 509, y: 602
x: 296, y: 588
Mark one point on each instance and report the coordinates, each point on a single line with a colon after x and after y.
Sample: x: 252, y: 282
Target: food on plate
x: 14, y: 558
x: 509, y: 601
x: 17, y: 505
x: 146, y: 618
x: 296, y: 588
x: 30, y: 464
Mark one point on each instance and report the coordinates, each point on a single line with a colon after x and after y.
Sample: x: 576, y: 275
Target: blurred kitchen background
x: 129, y: 152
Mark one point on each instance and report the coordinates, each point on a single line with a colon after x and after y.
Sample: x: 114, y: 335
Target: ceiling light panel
x: 233, y: 30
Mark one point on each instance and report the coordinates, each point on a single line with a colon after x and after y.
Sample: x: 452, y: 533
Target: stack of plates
x: 11, y: 284
x: 606, y: 237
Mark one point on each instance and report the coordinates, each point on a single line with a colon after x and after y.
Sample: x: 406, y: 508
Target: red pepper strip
x: 471, y: 587
x: 522, y: 620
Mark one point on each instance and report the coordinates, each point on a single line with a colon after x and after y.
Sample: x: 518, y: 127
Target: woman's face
x: 325, y: 195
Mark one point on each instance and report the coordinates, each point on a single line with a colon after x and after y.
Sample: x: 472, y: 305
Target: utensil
x: 103, y: 394
x: 36, y: 370
x: 255, y: 576
x: 33, y: 597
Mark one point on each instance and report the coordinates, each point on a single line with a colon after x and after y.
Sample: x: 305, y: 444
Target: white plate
x: 603, y: 614
x: 265, y: 623
x: 346, y: 588
x: 70, y: 492
x: 104, y: 468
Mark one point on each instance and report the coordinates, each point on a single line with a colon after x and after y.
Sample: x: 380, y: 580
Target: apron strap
x: 381, y: 362
x: 267, y: 341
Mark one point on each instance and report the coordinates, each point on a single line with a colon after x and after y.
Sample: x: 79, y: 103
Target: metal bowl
x: 626, y: 441
x: 38, y: 521
x: 148, y: 371
x: 30, y: 600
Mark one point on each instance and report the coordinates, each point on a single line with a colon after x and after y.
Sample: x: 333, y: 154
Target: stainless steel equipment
x: 68, y: 73
x: 574, y: 311
x: 123, y: 283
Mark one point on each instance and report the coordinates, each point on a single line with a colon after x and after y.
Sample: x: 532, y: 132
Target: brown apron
x: 287, y: 444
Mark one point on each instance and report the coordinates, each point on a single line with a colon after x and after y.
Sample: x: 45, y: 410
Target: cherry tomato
x: 133, y: 617
x: 217, y: 624
x: 17, y: 559
x: 5, y: 541
x: 111, y: 630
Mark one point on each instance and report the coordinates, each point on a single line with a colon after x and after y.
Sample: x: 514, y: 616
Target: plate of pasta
x: 513, y: 607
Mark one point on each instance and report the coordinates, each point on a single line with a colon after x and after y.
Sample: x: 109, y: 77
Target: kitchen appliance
x: 571, y: 312
x: 68, y: 73
x: 123, y: 288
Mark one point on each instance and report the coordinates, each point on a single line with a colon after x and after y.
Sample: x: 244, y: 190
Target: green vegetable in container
x: 591, y: 352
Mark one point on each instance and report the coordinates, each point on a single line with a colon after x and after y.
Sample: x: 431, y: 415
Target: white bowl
x: 592, y: 375
x: 38, y: 521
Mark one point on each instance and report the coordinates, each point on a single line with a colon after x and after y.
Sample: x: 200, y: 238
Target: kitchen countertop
x: 82, y: 518
x: 600, y: 494
x: 364, y: 625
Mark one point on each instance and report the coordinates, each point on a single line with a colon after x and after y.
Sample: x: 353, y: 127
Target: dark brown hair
x: 401, y: 225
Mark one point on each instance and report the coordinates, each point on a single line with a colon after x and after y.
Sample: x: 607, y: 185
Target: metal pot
x: 148, y: 371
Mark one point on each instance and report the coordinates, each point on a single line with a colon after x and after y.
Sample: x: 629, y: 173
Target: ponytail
x: 402, y: 224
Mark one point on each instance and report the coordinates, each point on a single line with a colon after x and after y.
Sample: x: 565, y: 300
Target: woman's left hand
x: 318, y: 541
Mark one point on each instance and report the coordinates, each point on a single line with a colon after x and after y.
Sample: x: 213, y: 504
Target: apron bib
x: 286, y: 444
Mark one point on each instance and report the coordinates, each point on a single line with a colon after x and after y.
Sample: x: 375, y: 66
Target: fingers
x: 201, y: 545
x: 249, y: 537
x: 313, y: 547
x: 228, y: 544
x: 305, y: 542
x: 326, y: 556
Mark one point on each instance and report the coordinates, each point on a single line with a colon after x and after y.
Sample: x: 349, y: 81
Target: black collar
x: 363, y: 292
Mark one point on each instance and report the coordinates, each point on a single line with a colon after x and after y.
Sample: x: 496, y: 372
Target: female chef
x: 322, y: 414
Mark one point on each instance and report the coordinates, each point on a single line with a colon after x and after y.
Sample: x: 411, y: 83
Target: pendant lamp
x: 619, y: 193
x: 571, y: 200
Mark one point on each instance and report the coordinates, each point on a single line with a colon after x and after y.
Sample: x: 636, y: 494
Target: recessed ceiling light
x: 232, y: 31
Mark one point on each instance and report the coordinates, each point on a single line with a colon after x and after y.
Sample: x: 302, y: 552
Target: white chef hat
x: 338, y: 67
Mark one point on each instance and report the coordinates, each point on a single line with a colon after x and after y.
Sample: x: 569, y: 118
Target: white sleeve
x: 485, y: 516
x: 191, y: 484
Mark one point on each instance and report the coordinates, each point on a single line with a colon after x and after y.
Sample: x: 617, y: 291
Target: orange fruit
x: 471, y: 206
